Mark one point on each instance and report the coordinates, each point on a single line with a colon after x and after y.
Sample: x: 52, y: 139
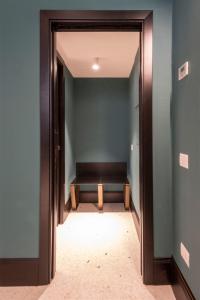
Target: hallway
x: 97, y: 258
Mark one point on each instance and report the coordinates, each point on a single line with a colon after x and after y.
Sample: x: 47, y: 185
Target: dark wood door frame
x: 50, y: 22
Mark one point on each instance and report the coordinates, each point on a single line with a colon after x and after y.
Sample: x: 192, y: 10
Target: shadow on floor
x: 107, y: 207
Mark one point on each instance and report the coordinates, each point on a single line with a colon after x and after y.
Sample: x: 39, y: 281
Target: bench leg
x: 100, y: 196
x: 77, y: 195
x: 127, y: 196
x: 73, y: 196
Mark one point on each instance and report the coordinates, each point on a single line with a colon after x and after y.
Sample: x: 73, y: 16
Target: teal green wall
x: 133, y: 165
x: 19, y: 228
x: 186, y: 121
x: 69, y: 132
x: 1, y: 127
x: 101, y: 120
x: 19, y: 224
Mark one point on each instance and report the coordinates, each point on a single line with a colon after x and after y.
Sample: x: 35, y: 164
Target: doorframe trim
x: 51, y: 21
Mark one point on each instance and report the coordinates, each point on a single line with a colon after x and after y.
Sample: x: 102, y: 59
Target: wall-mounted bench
x: 100, y: 174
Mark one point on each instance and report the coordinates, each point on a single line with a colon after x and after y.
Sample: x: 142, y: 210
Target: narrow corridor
x: 97, y: 259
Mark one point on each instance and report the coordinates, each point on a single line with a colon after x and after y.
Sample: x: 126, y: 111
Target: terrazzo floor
x: 97, y: 259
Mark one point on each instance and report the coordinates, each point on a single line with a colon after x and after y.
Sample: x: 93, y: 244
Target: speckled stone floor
x: 97, y: 259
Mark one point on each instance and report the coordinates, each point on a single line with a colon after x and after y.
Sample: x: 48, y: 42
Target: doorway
x: 52, y: 22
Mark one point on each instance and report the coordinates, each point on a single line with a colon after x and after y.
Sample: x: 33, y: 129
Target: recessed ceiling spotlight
x: 96, y: 65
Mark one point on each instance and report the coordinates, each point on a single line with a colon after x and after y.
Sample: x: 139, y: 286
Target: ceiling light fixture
x: 96, y: 65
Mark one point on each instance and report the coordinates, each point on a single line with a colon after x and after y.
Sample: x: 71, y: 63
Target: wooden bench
x: 100, y: 174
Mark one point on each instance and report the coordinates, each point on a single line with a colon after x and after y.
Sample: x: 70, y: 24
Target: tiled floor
x: 97, y: 259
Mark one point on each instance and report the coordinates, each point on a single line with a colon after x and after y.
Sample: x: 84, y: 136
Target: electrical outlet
x: 184, y: 160
x: 131, y: 147
x: 185, y: 254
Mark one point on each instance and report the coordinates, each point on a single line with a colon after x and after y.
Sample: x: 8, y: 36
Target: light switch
x: 183, y: 71
x: 183, y: 160
x: 131, y: 147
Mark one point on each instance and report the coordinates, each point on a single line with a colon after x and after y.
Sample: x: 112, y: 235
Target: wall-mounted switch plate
x: 183, y: 71
x: 185, y: 254
x: 131, y: 147
x: 184, y: 160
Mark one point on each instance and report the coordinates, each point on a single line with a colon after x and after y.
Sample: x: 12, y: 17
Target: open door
x: 60, y: 111
x: 58, y: 117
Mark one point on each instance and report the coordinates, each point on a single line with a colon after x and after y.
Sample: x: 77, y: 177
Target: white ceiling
x: 116, y: 52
